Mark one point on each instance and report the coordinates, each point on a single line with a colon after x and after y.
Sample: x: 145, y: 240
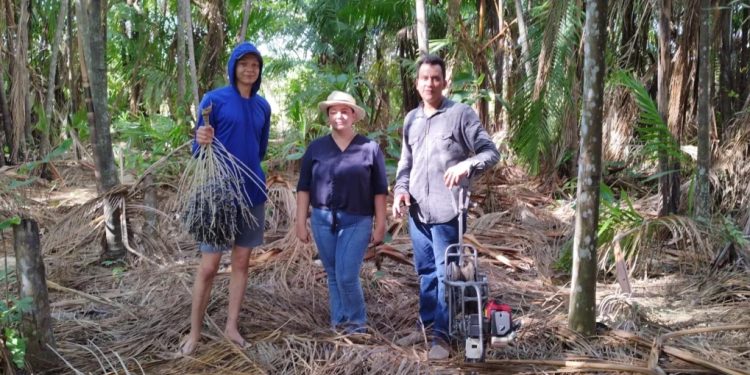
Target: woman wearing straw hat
x: 343, y: 178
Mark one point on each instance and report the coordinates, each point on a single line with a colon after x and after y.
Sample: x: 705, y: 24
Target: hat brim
x: 359, y: 111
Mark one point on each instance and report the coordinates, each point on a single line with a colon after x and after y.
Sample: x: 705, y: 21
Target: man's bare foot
x: 236, y: 338
x: 187, y: 346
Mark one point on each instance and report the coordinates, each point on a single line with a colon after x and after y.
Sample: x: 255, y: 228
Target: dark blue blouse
x: 343, y: 180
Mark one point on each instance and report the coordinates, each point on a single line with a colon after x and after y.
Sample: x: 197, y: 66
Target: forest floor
x: 129, y: 318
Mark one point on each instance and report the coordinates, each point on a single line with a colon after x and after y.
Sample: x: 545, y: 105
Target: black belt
x: 334, y: 221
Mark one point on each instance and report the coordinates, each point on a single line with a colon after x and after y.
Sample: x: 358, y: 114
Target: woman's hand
x: 302, y: 232
x: 378, y: 234
x: 300, y: 225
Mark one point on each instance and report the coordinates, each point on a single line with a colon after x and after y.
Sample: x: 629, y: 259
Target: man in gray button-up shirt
x: 444, y: 144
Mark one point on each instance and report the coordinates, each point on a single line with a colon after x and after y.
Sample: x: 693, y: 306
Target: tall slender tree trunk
x: 362, y: 48
x: 407, y: 51
x: 669, y: 203
x: 6, y: 120
x: 4, y: 99
x: 94, y: 52
x: 51, y: 78
x: 524, y: 39
x: 480, y: 65
x: 37, y: 321
x: 180, y: 37
x: 499, y: 61
x: 20, y: 85
x: 726, y: 109
x: 246, y: 8
x: 702, y: 186
x: 214, y: 45
x: 582, y: 309
x: 74, y: 83
x: 422, y: 35
x: 187, y: 26
x: 743, y: 55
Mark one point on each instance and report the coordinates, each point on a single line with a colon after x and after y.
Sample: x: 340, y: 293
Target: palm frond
x: 622, y: 228
x: 540, y: 106
x: 652, y: 130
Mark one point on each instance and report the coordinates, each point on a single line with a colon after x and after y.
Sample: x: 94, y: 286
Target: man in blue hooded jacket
x: 241, y: 120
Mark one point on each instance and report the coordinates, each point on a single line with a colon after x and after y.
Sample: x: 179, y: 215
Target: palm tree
x: 545, y: 104
x: 702, y: 197
x: 92, y: 23
x: 582, y: 310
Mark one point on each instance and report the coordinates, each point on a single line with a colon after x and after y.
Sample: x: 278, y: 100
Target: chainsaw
x: 474, y: 319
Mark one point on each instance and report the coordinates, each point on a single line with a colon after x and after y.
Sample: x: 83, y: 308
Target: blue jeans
x: 430, y: 242
x: 342, y: 252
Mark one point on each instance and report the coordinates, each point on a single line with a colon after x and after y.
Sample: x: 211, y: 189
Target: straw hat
x: 340, y: 97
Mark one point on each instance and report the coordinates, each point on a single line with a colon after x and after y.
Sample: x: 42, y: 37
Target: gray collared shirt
x: 430, y: 146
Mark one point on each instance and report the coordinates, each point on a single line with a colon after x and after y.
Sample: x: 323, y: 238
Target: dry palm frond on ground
x: 130, y: 319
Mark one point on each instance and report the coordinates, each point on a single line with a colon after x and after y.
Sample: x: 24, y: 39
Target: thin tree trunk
x: 743, y: 55
x: 582, y: 311
x: 50, y: 99
x: 94, y: 52
x: 180, y: 36
x: 6, y: 119
x: 499, y: 62
x: 73, y: 79
x: 248, y: 6
x: 407, y: 52
x: 75, y: 83
x: 662, y: 99
x: 524, y: 36
x: 725, y: 68
x: 213, y: 46
x: 37, y: 322
x: 100, y: 132
x: 483, y: 108
x: 362, y: 48
x: 188, y: 30
x: 702, y: 196
x: 422, y: 41
x: 20, y: 85
x: 628, y: 21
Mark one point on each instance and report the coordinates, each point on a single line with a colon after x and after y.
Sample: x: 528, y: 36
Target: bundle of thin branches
x: 211, y: 196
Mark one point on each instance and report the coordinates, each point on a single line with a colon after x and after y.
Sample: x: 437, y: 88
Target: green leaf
x: 295, y: 156
x: 15, y: 184
x: 7, y: 223
x: 16, y: 345
x: 24, y: 304
x: 58, y: 151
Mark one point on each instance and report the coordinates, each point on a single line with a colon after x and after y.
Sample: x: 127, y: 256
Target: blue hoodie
x: 242, y: 125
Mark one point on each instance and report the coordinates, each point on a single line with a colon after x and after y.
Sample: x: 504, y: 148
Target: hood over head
x: 239, y: 51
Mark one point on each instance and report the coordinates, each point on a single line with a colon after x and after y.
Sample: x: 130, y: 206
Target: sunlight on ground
x: 66, y: 197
